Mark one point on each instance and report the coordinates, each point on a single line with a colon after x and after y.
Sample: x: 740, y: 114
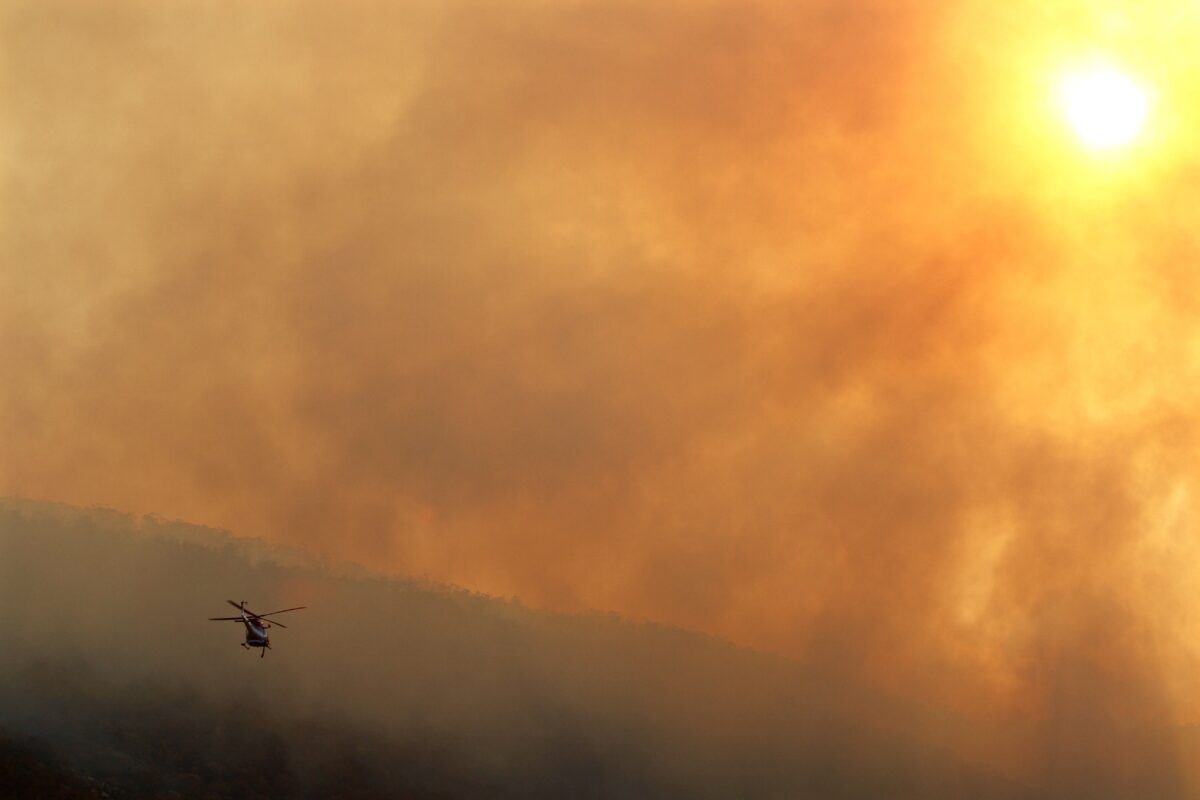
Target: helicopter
x: 256, y: 625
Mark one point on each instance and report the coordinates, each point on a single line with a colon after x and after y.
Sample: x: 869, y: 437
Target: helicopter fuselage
x: 256, y: 633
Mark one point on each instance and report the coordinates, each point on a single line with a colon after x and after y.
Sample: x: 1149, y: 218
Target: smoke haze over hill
x: 397, y: 688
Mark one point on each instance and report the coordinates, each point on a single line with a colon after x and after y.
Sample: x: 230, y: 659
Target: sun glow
x: 1104, y: 106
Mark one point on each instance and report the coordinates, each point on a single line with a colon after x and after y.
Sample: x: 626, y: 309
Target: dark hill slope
x: 30, y: 771
x: 395, y: 688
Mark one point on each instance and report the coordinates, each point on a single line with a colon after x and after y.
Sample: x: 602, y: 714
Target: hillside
x: 398, y: 688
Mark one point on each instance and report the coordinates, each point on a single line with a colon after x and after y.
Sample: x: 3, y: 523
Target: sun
x: 1104, y: 106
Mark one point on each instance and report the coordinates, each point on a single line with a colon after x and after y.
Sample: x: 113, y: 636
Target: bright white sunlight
x: 1104, y: 106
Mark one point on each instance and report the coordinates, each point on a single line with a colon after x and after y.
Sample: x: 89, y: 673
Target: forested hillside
x: 398, y: 688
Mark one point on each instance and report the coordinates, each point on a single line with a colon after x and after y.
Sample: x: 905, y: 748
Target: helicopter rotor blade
x: 273, y: 613
x: 224, y: 619
x: 242, y: 608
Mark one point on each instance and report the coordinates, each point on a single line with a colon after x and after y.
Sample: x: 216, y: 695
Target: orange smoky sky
x: 808, y: 324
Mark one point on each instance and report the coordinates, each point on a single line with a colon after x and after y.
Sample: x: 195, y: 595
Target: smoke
x: 797, y: 324
x: 384, y: 688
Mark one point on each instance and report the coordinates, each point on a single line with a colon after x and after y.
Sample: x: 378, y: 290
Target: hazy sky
x: 808, y: 324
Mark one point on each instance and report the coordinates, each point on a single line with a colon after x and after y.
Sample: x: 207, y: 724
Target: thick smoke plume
x: 801, y: 324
